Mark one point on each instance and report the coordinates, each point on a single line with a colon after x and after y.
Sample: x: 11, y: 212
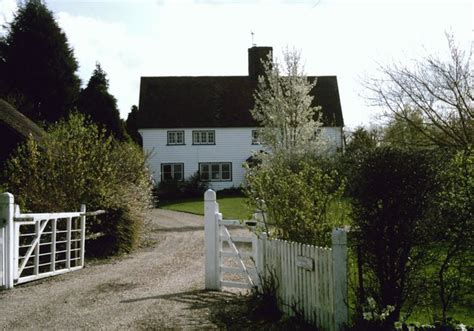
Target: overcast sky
x: 211, y: 37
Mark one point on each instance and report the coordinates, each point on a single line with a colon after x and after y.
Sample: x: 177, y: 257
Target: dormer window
x: 176, y: 137
x: 204, y: 137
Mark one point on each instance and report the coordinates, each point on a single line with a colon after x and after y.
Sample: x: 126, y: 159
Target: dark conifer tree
x: 37, y: 65
x: 132, y: 125
x: 96, y: 102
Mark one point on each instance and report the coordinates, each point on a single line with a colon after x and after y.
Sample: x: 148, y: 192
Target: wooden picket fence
x: 311, y: 280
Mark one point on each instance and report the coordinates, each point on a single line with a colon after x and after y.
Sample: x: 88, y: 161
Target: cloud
x: 120, y: 53
x: 8, y: 9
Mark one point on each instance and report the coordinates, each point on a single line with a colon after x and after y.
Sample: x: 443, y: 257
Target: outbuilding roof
x: 14, y: 129
x: 18, y: 123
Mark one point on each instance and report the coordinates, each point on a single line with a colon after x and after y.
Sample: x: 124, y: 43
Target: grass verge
x: 230, y: 207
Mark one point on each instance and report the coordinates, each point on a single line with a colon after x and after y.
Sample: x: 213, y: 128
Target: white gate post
x: 211, y: 241
x: 7, y: 209
x: 339, y: 264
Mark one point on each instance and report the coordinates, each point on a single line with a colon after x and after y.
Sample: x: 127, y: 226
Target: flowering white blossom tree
x: 290, y: 125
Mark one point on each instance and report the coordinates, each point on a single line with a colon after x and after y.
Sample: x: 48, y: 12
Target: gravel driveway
x: 160, y: 286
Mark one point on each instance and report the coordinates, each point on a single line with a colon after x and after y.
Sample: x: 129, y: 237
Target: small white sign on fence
x: 305, y: 263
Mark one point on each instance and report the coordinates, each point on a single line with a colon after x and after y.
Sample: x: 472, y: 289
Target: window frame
x: 176, y: 132
x: 207, y: 137
x: 210, y: 164
x: 172, y: 164
x: 254, y: 139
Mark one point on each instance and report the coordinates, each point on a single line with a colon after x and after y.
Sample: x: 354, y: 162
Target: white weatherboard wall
x: 232, y: 145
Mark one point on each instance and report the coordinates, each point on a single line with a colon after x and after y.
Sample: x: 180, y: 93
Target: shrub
x: 189, y: 188
x: 296, y: 197
x: 81, y: 164
x: 390, y: 203
x: 452, y: 224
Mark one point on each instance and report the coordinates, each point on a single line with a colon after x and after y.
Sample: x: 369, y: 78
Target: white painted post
x: 83, y: 234
x: 211, y: 241
x: 339, y: 264
x: 7, y: 208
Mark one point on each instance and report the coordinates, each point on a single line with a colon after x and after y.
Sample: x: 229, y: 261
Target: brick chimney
x: 256, y: 55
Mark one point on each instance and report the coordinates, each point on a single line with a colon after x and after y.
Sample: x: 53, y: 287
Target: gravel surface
x: 160, y: 286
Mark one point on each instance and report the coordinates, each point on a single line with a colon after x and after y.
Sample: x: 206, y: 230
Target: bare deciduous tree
x: 439, y: 91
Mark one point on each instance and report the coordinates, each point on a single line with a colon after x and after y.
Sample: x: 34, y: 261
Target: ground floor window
x: 215, y: 171
x: 172, y: 171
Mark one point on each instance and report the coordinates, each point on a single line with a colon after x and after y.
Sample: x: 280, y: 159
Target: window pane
x: 210, y: 136
x: 225, y: 171
x: 225, y: 167
x: 226, y: 175
x: 203, y: 137
x: 171, y: 138
x: 166, y: 172
x: 177, y: 168
x: 179, y: 137
x: 167, y: 168
x: 204, y: 172
x: 178, y: 176
x: 215, y: 171
x: 196, y: 137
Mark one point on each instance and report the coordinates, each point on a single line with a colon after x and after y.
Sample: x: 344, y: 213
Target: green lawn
x: 230, y: 207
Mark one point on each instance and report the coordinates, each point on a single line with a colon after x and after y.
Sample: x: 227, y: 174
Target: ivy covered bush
x: 82, y: 164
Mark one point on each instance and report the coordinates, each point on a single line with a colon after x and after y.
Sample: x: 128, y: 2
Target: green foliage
x: 405, y: 132
x: 389, y: 213
x: 295, y: 198
x: 361, y: 142
x: 81, y: 164
x: 37, y: 67
x: 100, y: 106
x: 452, y: 228
x: 192, y: 187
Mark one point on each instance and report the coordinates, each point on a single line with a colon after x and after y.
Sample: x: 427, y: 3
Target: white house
x: 203, y: 124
